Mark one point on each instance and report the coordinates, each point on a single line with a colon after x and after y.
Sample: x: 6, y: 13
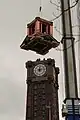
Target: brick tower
x: 42, y: 90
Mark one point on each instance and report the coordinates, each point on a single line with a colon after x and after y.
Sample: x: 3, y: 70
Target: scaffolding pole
x: 71, y: 111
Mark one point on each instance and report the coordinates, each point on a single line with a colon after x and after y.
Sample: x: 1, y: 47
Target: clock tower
x: 42, y: 90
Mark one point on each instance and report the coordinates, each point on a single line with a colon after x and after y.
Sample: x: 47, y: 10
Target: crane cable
x: 40, y: 8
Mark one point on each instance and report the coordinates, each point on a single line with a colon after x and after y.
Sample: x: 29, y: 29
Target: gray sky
x: 14, y: 16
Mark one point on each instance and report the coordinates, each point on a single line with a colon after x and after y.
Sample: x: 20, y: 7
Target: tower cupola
x: 39, y: 36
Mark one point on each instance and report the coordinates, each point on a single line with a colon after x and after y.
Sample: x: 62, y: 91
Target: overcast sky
x: 14, y: 16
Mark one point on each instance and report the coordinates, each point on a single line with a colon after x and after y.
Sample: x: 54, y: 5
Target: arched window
x: 33, y: 29
x: 44, y: 28
x: 48, y: 29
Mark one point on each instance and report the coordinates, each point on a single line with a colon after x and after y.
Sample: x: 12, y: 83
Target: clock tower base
x: 42, y: 90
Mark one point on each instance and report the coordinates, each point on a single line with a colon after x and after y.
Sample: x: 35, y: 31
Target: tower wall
x: 42, y: 90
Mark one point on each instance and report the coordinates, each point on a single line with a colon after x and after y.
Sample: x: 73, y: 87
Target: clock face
x: 39, y: 70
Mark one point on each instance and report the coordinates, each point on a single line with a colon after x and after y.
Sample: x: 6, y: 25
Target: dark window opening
x: 48, y: 29
x: 33, y: 28
x: 40, y: 27
x: 43, y: 28
x: 29, y: 31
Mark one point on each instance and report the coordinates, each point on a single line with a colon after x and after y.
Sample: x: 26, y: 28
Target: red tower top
x: 39, y: 36
x: 39, y: 25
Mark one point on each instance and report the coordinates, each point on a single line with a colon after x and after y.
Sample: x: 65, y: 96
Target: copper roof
x: 40, y: 19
